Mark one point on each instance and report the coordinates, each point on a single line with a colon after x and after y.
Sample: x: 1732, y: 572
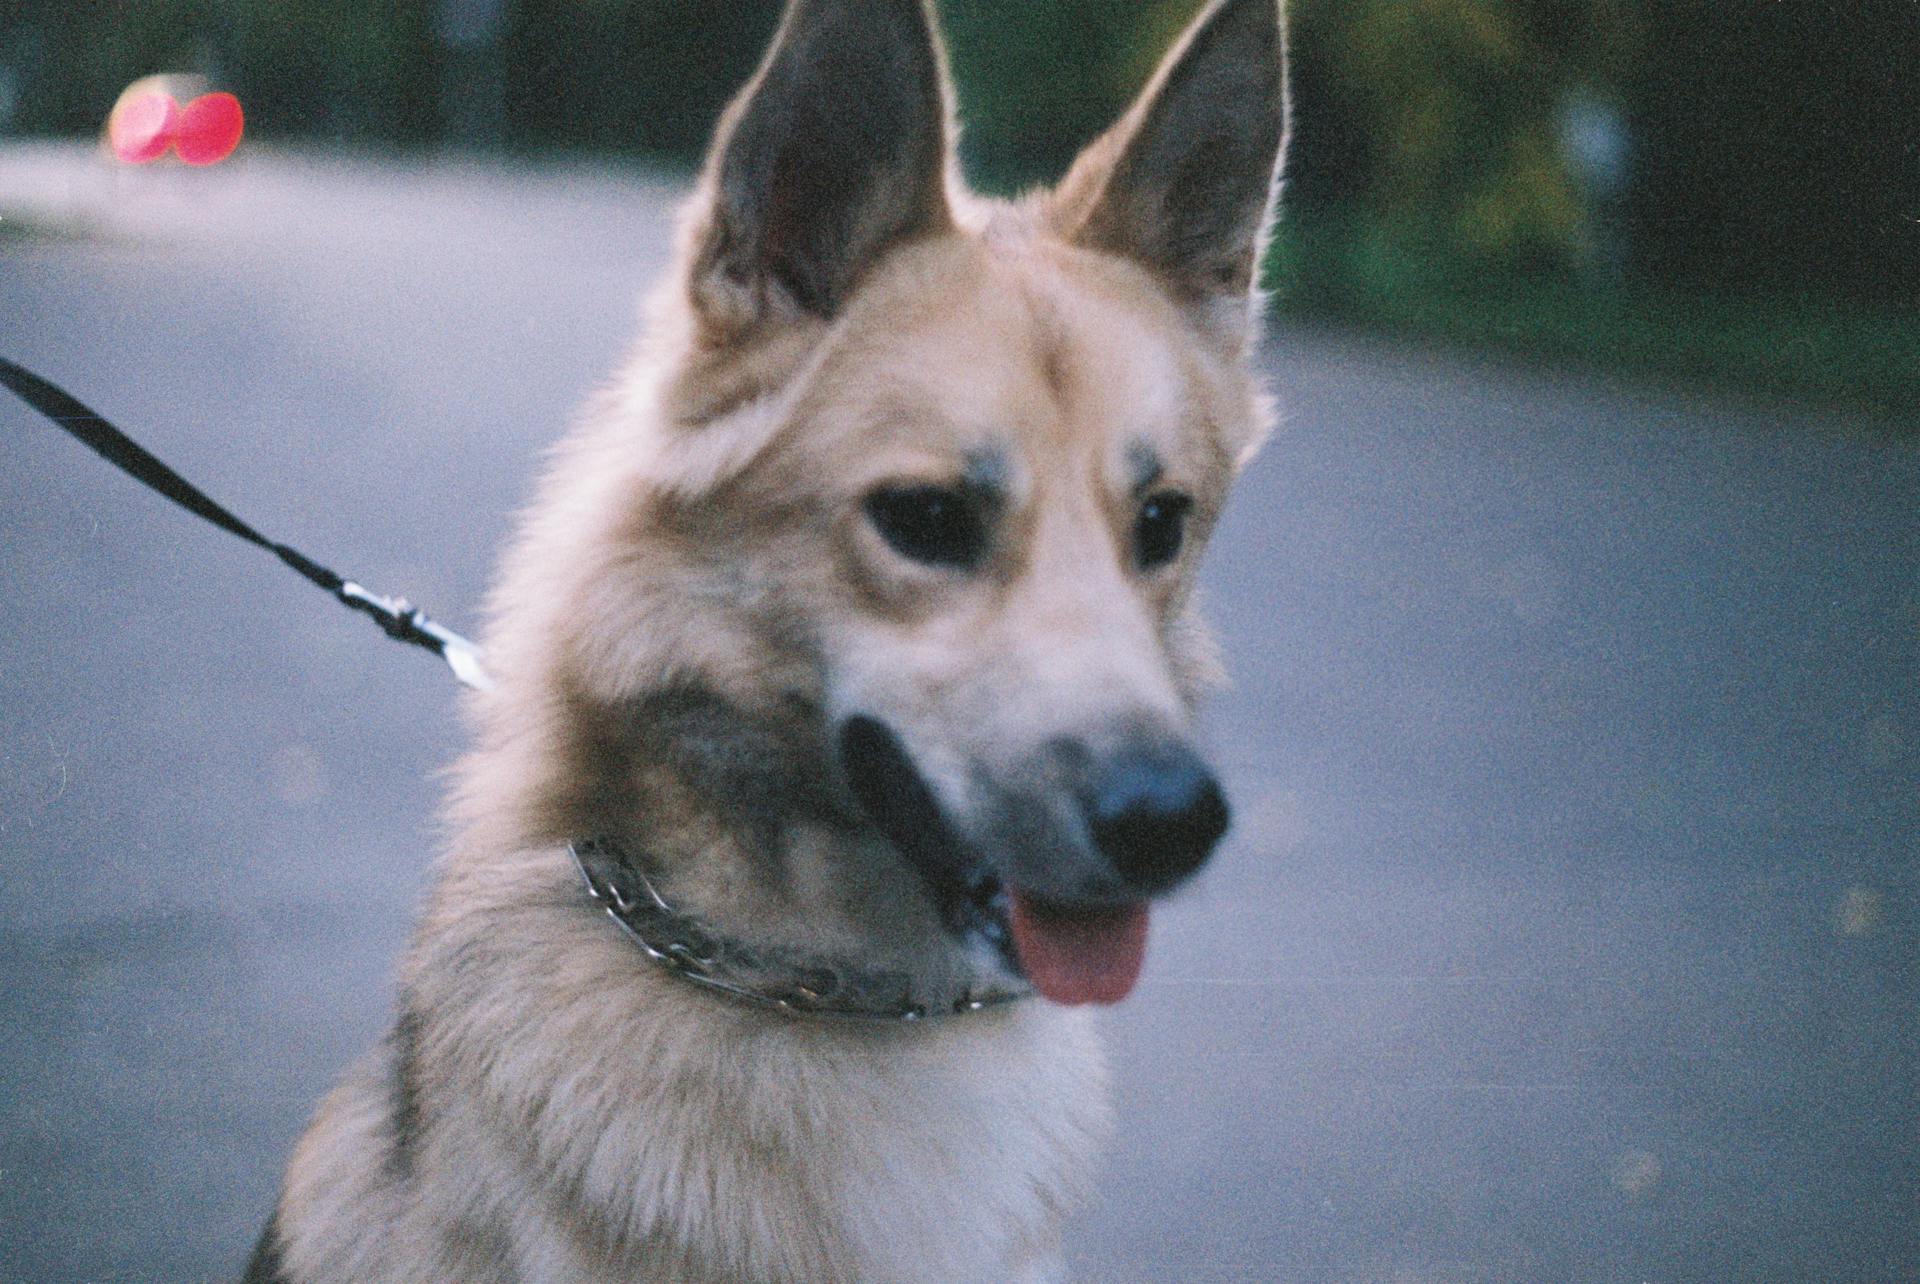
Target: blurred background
x: 1721, y: 192
x: 1570, y: 925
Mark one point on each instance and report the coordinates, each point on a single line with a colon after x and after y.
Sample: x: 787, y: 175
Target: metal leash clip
x: 405, y: 622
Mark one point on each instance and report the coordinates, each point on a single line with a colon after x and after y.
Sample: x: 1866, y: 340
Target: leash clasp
x: 401, y: 620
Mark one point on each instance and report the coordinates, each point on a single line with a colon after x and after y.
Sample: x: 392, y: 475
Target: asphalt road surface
x: 1570, y: 929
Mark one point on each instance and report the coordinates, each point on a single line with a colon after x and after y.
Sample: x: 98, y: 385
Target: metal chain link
x: 795, y: 984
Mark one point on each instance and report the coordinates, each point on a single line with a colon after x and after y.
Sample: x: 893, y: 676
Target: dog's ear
x: 835, y: 150
x: 1185, y: 182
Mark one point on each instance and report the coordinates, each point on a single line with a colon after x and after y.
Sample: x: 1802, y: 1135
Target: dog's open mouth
x: 1073, y: 953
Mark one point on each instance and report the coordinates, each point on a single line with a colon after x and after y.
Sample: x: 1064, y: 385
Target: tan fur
x: 552, y: 1107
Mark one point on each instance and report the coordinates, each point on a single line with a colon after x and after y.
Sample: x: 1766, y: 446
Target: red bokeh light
x: 142, y: 127
x: 209, y: 129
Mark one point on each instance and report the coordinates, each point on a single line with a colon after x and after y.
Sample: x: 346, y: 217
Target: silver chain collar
x: 799, y: 985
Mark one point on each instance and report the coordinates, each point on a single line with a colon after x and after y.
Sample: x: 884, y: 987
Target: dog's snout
x: 1155, y: 814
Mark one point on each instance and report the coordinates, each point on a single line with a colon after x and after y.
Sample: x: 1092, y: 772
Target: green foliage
x: 1037, y: 80
x: 1767, y: 342
x: 648, y: 76
x: 1773, y: 160
x: 344, y: 69
x: 1453, y: 120
x: 1451, y: 104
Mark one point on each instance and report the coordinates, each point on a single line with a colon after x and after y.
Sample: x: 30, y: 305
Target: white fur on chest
x: 652, y: 1124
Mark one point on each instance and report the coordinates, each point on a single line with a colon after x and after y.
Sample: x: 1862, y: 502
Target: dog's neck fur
x: 730, y: 798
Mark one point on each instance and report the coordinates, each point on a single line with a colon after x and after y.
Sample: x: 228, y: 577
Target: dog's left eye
x: 937, y: 525
x: 1160, y: 529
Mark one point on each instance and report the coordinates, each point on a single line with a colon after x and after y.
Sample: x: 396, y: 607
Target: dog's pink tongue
x: 1079, y: 955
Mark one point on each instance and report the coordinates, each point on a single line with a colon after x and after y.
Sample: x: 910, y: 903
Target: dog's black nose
x: 1155, y: 813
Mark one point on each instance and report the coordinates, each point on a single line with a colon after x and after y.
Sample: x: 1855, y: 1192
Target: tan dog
x: 847, y: 650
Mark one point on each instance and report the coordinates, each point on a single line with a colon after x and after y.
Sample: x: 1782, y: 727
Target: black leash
x: 398, y: 619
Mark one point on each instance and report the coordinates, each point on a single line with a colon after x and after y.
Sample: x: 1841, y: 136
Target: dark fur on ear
x: 1185, y: 181
x: 834, y: 151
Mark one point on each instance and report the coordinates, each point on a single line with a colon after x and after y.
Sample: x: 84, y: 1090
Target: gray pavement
x: 1571, y: 928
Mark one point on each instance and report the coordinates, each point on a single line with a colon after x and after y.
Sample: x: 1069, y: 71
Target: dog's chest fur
x: 602, y: 1120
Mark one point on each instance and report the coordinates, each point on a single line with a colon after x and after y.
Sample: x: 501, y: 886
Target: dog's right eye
x: 936, y: 525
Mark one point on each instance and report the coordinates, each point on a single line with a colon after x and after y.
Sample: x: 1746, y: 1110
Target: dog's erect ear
x: 1185, y: 181
x: 834, y: 151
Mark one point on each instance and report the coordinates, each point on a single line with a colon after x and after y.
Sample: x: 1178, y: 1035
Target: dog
x: 840, y: 735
